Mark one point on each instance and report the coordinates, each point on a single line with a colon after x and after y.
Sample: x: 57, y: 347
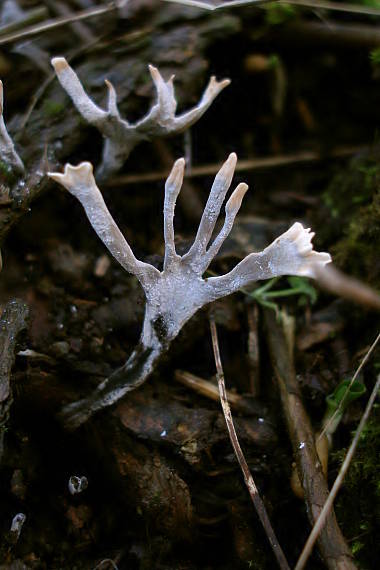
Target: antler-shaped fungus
x: 174, y: 294
x: 120, y: 136
x: 8, y: 152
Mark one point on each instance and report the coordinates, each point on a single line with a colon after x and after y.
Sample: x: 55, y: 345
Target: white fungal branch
x: 80, y: 182
x: 232, y: 209
x: 290, y: 254
x: 120, y: 136
x: 211, y: 212
x: 172, y: 189
x: 179, y: 290
x: 8, y: 152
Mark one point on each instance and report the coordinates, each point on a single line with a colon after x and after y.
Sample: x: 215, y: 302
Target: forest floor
x: 164, y: 490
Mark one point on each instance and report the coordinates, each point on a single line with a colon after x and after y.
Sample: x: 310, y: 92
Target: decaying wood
x: 12, y: 321
x: 338, y: 481
x: 332, y: 545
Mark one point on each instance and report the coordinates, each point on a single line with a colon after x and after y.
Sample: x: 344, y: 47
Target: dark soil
x: 164, y: 488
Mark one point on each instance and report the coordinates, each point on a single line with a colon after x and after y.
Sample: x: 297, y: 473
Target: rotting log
x: 332, y: 544
x: 13, y: 320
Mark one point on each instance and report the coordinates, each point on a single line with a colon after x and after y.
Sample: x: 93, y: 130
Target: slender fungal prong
x: 112, y: 100
x: 73, y: 87
x: 232, y: 208
x: 190, y: 117
x: 211, y: 212
x: 80, y: 182
x: 172, y: 189
x: 164, y: 110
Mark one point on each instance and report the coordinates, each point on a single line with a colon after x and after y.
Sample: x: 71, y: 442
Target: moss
x: 276, y: 14
x: 358, y: 505
x: 353, y: 201
x: 374, y: 56
x: 52, y: 108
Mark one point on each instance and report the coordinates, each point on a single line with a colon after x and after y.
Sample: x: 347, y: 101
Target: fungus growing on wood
x: 174, y: 294
x: 120, y: 136
x: 8, y: 153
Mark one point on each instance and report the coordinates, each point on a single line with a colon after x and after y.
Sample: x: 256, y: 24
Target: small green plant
x: 276, y: 14
x: 265, y: 295
x: 369, y: 3
x: 338, y: 401
x: 374, y: 56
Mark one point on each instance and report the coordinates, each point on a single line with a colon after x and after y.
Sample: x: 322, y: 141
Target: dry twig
x: 210, y: 390
x: 268, y: 162
x: 251, y: 486
x: 335, y: 281
x: 319, y: 523
x: 332, y: 544
x: 316, y: 5
x: 60, y: 21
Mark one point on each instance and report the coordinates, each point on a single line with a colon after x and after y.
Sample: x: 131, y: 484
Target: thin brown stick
x: 28, y: 18
x: 251, y: 486
x: 82, y: 31
x: 58, y: 22
x: 316, y: 5
x: 331, y: 542
x: 304, y: 157
x: 335, y: 281
x: 210, y: 390
x: 319, y: 523
x: 42, y: 88
x: 211, y: 7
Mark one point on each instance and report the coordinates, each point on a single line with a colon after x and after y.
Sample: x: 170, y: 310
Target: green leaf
x: 343, y: 395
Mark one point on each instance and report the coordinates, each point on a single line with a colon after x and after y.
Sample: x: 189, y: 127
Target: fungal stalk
x: 120, y: 136
x: 8, y: 152
x: 174, y: 294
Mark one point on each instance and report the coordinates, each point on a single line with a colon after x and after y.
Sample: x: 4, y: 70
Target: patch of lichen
x: 353, y: 202
x: 358, y: 504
